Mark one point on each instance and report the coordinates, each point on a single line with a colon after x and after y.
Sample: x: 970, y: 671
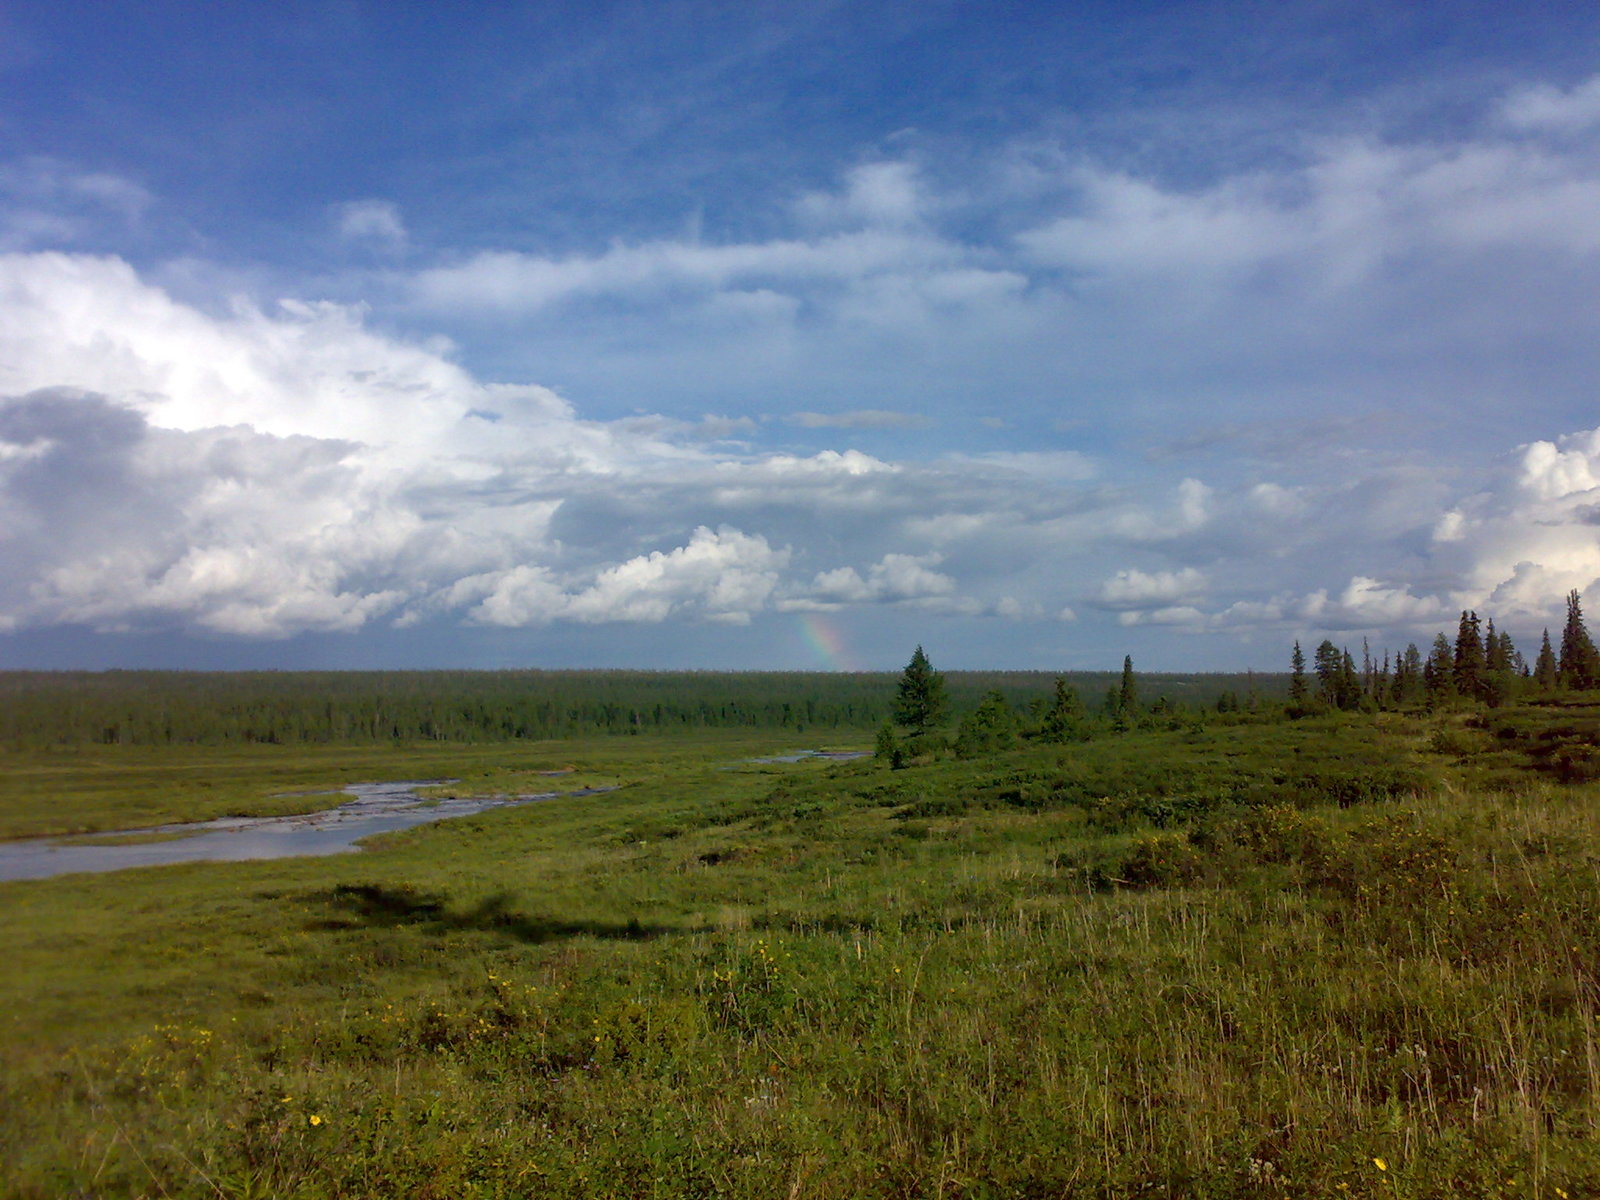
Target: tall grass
x: 1160, y: 965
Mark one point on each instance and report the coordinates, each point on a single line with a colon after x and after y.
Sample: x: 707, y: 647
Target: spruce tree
x: 1412, y: 691
x: 1580, y: 661
x: 1349, y: 683
x: 1297, y: 677
x: 1329, y: 667
x: 1545, y: 672
x: 1469, y: 657
x: 1438, y: 673
x: 992, y: 727
x: 1064, y: 720
x: 1495, y: 657
x: 1128, y: 694
x: 1397, y: 682
x: 920, y: 703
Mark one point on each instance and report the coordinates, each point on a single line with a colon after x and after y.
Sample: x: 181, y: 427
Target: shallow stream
x: 375, y: 808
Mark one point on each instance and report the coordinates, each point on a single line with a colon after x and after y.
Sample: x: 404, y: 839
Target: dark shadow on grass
x: 375, y: 905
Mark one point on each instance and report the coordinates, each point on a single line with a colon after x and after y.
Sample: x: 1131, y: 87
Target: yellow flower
x: 1380, y: 1164
x: 315, y: 1119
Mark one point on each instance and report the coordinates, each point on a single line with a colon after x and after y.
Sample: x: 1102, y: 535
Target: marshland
x: 1280, y: 949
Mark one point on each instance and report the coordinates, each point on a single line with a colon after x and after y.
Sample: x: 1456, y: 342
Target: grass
x: 1308, y: 959
x: 102, y: 788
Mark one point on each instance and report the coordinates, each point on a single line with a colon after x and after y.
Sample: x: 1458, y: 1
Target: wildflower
x: 315, y: 1119
x: 1380, y: 1164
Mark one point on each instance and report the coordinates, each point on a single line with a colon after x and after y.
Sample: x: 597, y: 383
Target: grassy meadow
x: 1243, y: 956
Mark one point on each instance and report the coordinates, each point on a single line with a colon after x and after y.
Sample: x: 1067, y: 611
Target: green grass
x: 102, y: 788
x: 1239, y: 961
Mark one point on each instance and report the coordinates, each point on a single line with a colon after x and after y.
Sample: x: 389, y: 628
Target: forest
x: 162, y: 708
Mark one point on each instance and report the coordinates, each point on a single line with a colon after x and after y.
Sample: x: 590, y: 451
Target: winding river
x: 373, y: 808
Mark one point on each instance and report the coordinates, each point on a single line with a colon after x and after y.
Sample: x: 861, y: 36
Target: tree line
x: 916, y: 729
x: 1481, y: 664
x: 158, y: 708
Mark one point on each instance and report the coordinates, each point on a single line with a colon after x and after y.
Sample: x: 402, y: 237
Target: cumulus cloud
x: 261, y: 468
x: 265, y: 473
x: 161, y: 467
x: 261, y: 473
x: 897, y: 578
x: 113, y: 523
x: 719, y: 575
x: 1133, y: 588
x: 1370, y: 603
x: 1528, y: 536
x: 880, y: 193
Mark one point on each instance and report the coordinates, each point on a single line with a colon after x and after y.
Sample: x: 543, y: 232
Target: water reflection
x: 374, y: 808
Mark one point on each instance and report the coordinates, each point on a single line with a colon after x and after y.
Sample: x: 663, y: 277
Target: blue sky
x: 791, y: 335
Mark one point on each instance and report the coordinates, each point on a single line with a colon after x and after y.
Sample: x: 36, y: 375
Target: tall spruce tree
x: 1128, y: 694
x: 920, y: 703
x: 1496, y: 649
x: 1297, y: 675
x: 1349, y: 683
x: 1329, y: 666
x: 1408, y: 680
x: 1438, y: 672
x: 1546, y: 674
x: 1580, y: 661
x: 1468, y: 662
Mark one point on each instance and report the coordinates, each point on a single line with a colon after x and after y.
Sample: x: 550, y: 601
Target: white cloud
x: 514, y: 281
x: 1356, y: 207
x: 45, y: 201
x: 1543, y: 107
x: 722, y: 575
x: 881, y: 193
x: 1189, y: 511
x: 1369, y: 602
x: 371, y: 220
x: 896, y: 578
x: 260, y: 468
x: 1554, y: 471
x: 823, y: 463
x: 1184, y: 615
x: 862, y: 418
x: 1133, y: 588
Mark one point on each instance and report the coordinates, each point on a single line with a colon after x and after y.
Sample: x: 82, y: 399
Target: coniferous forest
x: 159, y: 708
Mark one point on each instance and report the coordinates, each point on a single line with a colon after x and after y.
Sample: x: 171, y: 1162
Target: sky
x: 347, y: 334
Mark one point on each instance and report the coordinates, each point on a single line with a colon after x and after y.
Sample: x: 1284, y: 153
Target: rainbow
x: 826, y: 643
